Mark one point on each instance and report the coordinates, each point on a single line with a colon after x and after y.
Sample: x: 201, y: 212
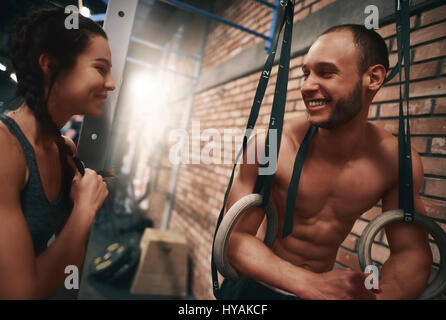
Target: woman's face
x: 83, y: 89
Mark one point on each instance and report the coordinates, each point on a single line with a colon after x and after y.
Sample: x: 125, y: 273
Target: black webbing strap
x: 405, y: 179
x: 260, y: 92
x: 264, y: 182
x: 294, y: 183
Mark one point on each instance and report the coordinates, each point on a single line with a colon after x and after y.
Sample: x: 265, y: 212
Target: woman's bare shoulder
x: 12, y: 160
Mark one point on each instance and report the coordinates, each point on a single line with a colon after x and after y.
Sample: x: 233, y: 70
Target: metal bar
x: 274, y: 6
x: 272, y: 28
x: 154, y: 66
x: 94, y: 139
x: 162, y: 48
x: 193, y: 9
x: 98, y: 17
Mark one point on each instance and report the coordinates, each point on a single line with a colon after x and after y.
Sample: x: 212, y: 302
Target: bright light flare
x: 85, y: 12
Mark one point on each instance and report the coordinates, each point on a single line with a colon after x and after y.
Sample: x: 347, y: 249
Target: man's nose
x: 309, y: 85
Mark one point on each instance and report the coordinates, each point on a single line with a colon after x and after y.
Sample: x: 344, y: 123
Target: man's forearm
x: 253, y: 259
x: 404, y: 276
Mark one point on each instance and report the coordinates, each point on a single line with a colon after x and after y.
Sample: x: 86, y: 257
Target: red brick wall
x: 201, y: 187
x: 428, y: 124
x: 224, y: 42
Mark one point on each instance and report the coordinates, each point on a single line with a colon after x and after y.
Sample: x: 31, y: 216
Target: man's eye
x: 306, y: 74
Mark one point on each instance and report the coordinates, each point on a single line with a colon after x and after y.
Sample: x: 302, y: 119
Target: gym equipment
x: 163, y: 267
x: 225, y: 229
x: 117, y: 263
x: 260, y: 196
x: 406, y: 203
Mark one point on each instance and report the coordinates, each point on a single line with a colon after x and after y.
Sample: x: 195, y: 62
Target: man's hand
x: 339, y: 284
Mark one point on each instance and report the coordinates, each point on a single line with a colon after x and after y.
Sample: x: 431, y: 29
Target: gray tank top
x: 44, y: 218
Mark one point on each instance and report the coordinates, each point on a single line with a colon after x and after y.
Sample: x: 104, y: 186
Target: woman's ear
x: 46, y: 63
x: 376, y: 76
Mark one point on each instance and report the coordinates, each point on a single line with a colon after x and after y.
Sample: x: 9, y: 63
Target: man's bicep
x: 406, y: 235
x: 244, y: 181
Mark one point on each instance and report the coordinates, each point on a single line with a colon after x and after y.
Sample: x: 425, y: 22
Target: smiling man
x: 351, y: 164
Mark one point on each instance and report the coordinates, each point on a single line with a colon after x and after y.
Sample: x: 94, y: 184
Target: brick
x: 435, y: 208
x: 419, y: 71
x: 384, y: 240
x: 434, y: 165
x: 429, y: 51
x: 430, y: 126
x: 435, y: 187
x: 349, y: 259
x: 438, y: 145
x: 372, y: 111
x: 419, y: 144
x: 435, y: 253
x: 440, y: 105
x: 390, y: 29
x: 320, y: 5
x: 380, y: 253
x: 309, y: 2
x: 301, y: 15
x: 387, y: 93
x: 415, y: 107
x: 434, y: 15
x: 428, y: 88
x: 371, y: 213
x: 350, y: 242
x: 427, y: 34
x: 359, y: 227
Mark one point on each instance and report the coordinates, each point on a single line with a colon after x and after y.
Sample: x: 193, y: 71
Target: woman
x: 60, y: 73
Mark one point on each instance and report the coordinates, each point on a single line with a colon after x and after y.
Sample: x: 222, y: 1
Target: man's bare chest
x: 340, y: 191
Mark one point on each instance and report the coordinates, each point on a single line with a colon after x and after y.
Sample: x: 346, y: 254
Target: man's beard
x: 344, y: 110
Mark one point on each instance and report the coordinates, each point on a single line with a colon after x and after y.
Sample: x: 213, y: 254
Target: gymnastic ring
x: 438, y: 285
x: 228, y: 222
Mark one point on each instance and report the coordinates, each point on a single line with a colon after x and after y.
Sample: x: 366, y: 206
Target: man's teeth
x: 316, y: 103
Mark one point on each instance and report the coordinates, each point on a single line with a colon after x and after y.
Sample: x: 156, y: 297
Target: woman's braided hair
x: 44, y: 31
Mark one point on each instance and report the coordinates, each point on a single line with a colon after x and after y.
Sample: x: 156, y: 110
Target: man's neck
x: 342, y: 143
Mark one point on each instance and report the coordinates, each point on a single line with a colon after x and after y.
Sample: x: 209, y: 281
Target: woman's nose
x: 110, y: 83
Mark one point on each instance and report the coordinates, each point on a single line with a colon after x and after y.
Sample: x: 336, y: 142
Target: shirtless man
x: 351, y: 164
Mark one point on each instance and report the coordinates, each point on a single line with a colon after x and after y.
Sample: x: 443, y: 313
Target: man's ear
x: 375, y: 77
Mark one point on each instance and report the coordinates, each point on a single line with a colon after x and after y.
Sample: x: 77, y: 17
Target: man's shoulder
x: 295, y: 128
x: 381, y: 139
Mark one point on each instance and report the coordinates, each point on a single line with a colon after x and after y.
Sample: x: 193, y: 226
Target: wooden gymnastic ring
x: 438, y: 285
x: 228, y: 222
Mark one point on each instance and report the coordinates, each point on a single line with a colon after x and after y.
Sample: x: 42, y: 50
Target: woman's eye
x: 101, y: 70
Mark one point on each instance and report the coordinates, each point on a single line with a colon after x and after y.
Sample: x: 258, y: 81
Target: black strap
x: 264, y: 182
x: 294, y: 183
x: 405, y: 179
x: 276, y: 120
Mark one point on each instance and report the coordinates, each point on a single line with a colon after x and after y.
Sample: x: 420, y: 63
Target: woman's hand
x: 88, y: 192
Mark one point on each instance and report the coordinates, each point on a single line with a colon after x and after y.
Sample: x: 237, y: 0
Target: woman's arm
x: 22, y: 274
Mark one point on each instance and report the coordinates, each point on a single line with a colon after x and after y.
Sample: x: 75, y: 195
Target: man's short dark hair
x: 373, y: 49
